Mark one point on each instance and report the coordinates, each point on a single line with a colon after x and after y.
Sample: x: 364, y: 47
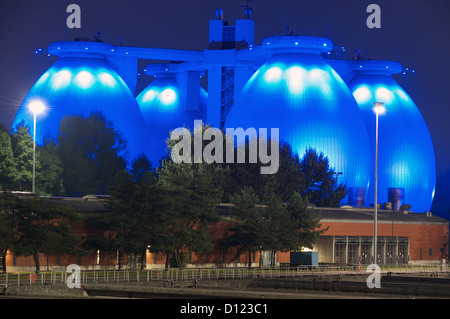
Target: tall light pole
x: 379, y: 109
x: 36, y: 107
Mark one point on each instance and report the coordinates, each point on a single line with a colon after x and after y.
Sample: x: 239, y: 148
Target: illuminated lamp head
x: 379, y: 108
x: 36, y: 107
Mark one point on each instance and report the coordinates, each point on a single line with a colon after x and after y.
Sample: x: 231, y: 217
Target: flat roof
x: 366, y: 215
x: 96, y: 204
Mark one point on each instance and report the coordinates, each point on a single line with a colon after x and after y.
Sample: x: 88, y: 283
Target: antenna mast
x: 248, y: 10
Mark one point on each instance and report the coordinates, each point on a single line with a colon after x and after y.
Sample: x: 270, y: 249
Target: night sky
x: 413, y: 32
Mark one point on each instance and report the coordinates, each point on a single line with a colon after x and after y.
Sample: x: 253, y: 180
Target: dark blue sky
x: 413, y: 32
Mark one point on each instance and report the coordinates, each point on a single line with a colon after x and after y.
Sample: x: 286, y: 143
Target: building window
x: 228, y: 33
x: 380, y: 251
x: 390, y: 250
x: 430, y: 252
x: 353, y: 250
x: 339, y: 250
x: 402, y: 250
x: 366, y: 250
x: 98, y: 257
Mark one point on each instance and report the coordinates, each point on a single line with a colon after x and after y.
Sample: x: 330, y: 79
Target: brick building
x: 403, y: 237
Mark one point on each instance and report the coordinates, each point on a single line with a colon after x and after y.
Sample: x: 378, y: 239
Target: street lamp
x: 36, y: 107
x: 379, y: 109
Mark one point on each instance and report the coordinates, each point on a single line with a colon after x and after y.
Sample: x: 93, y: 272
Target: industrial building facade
x: 403, y: 238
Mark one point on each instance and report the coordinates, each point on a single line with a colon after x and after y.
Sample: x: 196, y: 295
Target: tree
x: 304, y: 222
x: 135, y: 206
x: 49, y: 170
x: 134, y: 212
x: 247, y: 225
x: 194, y: 190
x: 141, y: 167
x: 43, y: 229
x: 8, y: 206
x: 311, y: 176
x: 277, y: 226
x: 22, y: 147
x: 319, y: 181
x: 286, y: 181
x: 92, y: 153
x: 8, y: 171
x: 194, y: 197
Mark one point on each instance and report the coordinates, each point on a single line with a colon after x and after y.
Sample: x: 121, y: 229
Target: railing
x: 178, y: 275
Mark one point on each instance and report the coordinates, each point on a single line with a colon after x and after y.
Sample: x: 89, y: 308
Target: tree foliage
x: 194, y: 190
x: 276, y: 226
x: 31, y: 227
x: 319, y: 181
x: 22, y: 147
x: 135, y: 208
x: 310, y: 175
x: 92, y: 153
x: 8, y: 167
x: 49, y: 170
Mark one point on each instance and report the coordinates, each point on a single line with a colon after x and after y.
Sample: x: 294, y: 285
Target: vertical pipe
x: 33, y: 190
x: 375, y: 201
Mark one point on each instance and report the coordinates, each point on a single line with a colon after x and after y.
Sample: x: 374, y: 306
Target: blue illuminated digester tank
x: 297, y: 91
x: 164, y: 109
x: 406, y: 159
x: 79, y: 83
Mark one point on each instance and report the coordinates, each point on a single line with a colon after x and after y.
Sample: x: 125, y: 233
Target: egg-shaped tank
x: 78, y: 85
x: 163, y: 108
x: 297, y: 91
x: 406, y: 158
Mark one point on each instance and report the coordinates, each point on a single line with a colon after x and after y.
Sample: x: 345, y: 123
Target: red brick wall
x: 420, y: 236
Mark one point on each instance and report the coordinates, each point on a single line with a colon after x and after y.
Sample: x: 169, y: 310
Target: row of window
x: 354, y: 250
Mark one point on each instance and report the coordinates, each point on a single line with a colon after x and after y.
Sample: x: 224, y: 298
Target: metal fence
x: 194, y: 274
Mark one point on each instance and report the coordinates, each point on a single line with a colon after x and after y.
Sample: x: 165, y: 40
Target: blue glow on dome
x: 406, y: 158
x: 163, y: 110
x: 79, y: 86
x: 312, y: 106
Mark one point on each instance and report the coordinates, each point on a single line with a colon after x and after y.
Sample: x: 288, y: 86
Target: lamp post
x: 36, y: 107
x: 379, y: 109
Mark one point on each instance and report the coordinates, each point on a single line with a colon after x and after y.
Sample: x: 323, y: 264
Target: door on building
x: 403, y: 250
x: 366, y: 250
x: 390, y: 250
x: 380, y: 251
x: 339, y: 250
x: 268, y: 258
x: 353, y: 250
